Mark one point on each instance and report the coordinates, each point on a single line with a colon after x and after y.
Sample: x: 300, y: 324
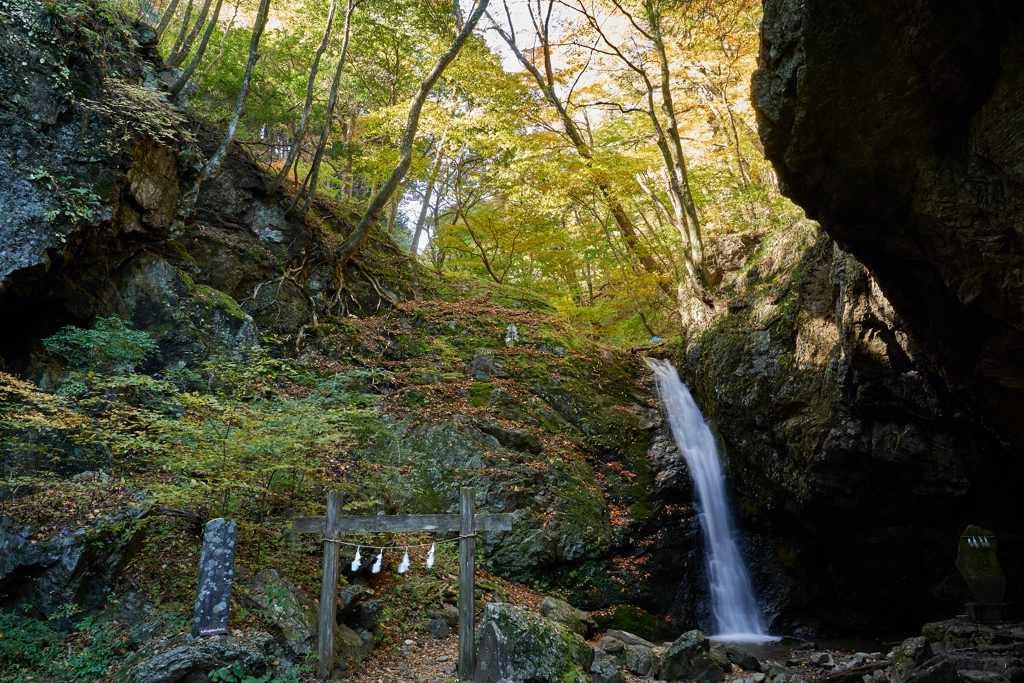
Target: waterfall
x: 732, y: 594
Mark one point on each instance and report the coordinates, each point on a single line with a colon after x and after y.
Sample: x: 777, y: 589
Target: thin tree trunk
x: 625, y: 279
x: 744, y: 176
x: 165, y: 20
x: 426, y: 193
x: 678, y: 177
x: 187, y: 74
x: 350, y: 132
x: 355, y: 240
x: 483, y: 252
x: 181, y: 33
x: 283, y: 173
x: 186, y: 47
x: 223, y: 42
x: 392, y: 215
x: 546, y: 82
x: 213, y: 164
x: 314, y: 169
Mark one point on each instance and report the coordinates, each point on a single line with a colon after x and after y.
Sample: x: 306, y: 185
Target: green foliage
x: 23, y: 639
x: 106, y: 646
x: 236, y: 674
x: 109, y: 343
x: 135, y: 112
x: 76, y: 203
x: 28, y: 644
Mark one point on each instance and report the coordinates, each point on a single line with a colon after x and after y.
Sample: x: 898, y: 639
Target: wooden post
x: 467, y: 579
x: 329, y: 588
x: 468, y: 524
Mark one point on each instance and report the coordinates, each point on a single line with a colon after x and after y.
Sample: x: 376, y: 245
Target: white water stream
x: 732, y: 594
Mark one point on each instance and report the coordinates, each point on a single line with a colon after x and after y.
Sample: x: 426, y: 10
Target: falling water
x: 732, y: 594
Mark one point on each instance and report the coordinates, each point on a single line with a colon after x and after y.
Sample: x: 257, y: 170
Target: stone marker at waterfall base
x: 978, y: 564
x: 216, y: 570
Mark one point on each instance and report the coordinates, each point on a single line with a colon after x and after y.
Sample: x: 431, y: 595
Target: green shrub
x: 109, y: 343
x: 24, y: 640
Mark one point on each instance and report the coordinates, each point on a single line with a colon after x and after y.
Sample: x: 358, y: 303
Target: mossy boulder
x: 185, y: 658
x: 541, y: 650
x: 689, y: 658
x: 575, y: 620
x: 290, y: 613
x: 632, y: 619
x: 912, y: 653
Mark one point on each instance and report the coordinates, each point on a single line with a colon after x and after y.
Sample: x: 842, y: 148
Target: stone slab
x: 216, y: 571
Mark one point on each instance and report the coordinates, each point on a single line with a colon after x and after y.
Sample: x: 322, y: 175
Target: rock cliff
x: 95, y: 176
x: 853, y: 464
x: 900, y: 127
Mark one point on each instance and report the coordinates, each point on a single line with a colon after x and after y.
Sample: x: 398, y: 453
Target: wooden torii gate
x: 467, y: 523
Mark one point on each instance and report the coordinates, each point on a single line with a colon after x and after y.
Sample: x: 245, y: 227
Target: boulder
x: 744, y: 659
x: 628, y: 638
x: 720, y: 657
x: 941, y: 669
x: 351, y: 644
x: 689, y: 658
x: 483, y: 364
x: 912, y: 653
x: 541, y: 650
x: 574, y: 619
x: 193, y: 659
x: 290, y: 614
x: 449, y: 615
x: 641, y: 660
x: 439, y: 629
x: 368, y: 613
x: 774, y: 669
x: 349, y: 599
x: 612, y: 646
x: 606, y: 669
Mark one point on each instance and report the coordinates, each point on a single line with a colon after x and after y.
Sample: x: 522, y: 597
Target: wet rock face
x: 900, y: 127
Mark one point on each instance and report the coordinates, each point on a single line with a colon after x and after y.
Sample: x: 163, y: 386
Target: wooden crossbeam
x: 467, y: 523
x: 398, y: 523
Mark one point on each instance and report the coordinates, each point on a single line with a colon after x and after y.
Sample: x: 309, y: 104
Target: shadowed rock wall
x: 900, y: 127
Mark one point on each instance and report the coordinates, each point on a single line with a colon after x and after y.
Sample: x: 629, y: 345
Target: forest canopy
x: 594, y: 151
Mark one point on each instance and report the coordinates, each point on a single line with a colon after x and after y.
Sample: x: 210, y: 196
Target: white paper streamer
x: 404, y: 566
x: 376, y: 565
x: 357, y: 563
x: 430, y: 557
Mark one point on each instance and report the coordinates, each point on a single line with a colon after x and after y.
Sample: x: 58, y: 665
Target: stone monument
x: 979, y: 565
x: 493, y: 661
x: 216, y: 570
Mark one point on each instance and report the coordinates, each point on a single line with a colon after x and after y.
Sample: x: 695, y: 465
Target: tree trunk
x: 350, y: 132
x: 483, y: 252
x: 223, y: 42
x: 187, y: 74
x: 283, y: 173
x: 354, y: 241
x: 393, y: 214
x: 426, y: 194
x: 182, y: 53
x: 213, y: 163
x: 314, y: 169
x: 165, y: 20
x: 181, y: 33
x: 678, y: 184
